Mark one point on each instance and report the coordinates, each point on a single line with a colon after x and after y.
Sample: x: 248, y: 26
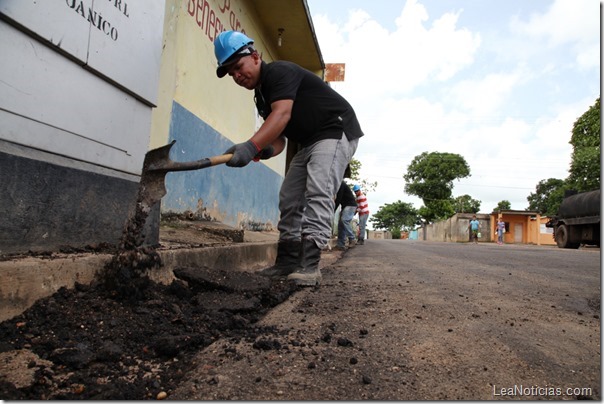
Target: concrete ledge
x: 26, y: 280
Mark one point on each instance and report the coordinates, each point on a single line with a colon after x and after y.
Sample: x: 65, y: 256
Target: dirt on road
x: 391, y: 321
x: 402, y: 320
x: 95, y: 342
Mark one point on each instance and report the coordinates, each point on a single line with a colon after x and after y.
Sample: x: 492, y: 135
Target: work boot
x: 340, y: 248
x: 308, y: 273
x: 351, y: 242
x: 361, y: 241
x: 288, y: 255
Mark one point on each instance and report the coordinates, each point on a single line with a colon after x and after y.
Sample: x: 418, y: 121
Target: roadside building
x: 379, y: 234
x: 455, y: 228
x: 90, y: 86
x: 523, y: 227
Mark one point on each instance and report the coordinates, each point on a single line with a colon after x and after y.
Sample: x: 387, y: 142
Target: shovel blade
x: 157, y: 163
x: 152, y: 186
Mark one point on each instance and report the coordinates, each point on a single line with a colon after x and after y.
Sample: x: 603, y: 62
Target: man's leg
x: 362, y: 224
x: 292, y: 199
x: 326, y: 161
x: 291, y: 206
x: 347, y: 215
x: 341, y: 245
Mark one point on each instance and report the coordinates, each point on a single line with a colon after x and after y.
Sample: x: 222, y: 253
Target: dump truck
x: 578, y: 220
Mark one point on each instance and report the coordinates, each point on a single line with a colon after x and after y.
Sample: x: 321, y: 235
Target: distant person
x: 346, y: 199
x: 474, y: 227
x: 363, y: 211
x: 500, y: 230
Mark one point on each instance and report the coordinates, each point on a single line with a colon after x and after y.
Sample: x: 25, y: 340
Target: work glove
x: 243, y: 153
x: 265, y: 153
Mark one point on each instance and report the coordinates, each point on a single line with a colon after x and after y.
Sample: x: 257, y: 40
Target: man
x: 295, y: 104
x: 363, y: 211
x: 474, y: 228
x: 346, y: 199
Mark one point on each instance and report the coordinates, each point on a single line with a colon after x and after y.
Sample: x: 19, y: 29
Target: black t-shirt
x: 345, y: 197
x: 318, y: 113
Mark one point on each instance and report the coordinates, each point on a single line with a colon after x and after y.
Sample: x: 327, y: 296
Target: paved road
x: 535, y: 309
x: 427, y: 321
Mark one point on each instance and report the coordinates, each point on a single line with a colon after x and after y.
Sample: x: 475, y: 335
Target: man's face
x: 246, y: 71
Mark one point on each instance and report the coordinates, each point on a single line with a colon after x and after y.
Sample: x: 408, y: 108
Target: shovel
x: 157, y: 163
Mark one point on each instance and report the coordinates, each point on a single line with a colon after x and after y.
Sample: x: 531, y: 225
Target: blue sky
x: 499, y: 82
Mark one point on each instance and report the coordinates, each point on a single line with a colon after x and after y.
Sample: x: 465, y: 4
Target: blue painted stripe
x: 243, y: 194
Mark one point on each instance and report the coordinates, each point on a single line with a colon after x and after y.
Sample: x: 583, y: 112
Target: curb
x: 26, y: 280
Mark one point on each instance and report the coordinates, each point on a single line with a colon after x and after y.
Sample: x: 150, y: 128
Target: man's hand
x: 243, y: 153
x: 265, y: 153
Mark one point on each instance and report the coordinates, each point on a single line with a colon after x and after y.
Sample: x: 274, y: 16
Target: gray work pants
x: 307, y: 196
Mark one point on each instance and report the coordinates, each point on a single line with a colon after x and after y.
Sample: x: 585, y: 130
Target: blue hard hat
x: 356, y: 188
x: 227, y: 46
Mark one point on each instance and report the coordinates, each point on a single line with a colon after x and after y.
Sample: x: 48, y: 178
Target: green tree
x: 502, y: 205
x: 547, y: 196
x: 585, y: 165
x: 584, y: 172
x: 430, y: 176
x: 395, y: 217
x: 437, y: 209
x: 465, y: 204
x: 355, y: 177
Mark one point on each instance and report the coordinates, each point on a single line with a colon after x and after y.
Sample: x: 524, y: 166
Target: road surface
x: 416, y: 320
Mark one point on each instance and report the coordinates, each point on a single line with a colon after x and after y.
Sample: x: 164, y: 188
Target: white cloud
x: 453, y: 47
x: 384, y: 63
x: 484, y: 96
x: 501, y: 102
x: 332, y: 41
x: 567, y: 22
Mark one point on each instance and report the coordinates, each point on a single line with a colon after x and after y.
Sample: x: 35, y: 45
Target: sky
x: 498, y: 82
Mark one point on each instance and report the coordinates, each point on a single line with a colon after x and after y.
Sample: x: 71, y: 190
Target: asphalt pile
x: 93, y: 343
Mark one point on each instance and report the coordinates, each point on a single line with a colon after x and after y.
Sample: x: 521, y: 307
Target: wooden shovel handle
x: 222, y: 159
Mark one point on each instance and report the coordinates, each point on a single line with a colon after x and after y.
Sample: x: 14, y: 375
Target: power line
x: 496, y: 186
x: 502, y: 161
x: 465, y: 184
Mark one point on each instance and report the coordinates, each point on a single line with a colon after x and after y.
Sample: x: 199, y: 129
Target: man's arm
x: 273, y: 126
x: 266, y: 138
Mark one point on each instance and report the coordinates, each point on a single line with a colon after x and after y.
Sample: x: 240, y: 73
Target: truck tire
x: 563, y: 238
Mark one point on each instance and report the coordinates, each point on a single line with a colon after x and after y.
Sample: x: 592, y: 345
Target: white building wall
x: 79, y: 78
x: 78, y: 81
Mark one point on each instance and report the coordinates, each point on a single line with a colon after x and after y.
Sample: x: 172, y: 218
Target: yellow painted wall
x: 532, y: 231
x: 205, y: 115
x: 188, y: 71
x: 545, y: 234
x: 160, y: 119
x: 515, y: 221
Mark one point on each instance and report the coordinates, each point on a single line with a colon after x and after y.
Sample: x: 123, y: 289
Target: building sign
x: 335, y: 72
x: 213, y: 20
x: 121, y: 40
